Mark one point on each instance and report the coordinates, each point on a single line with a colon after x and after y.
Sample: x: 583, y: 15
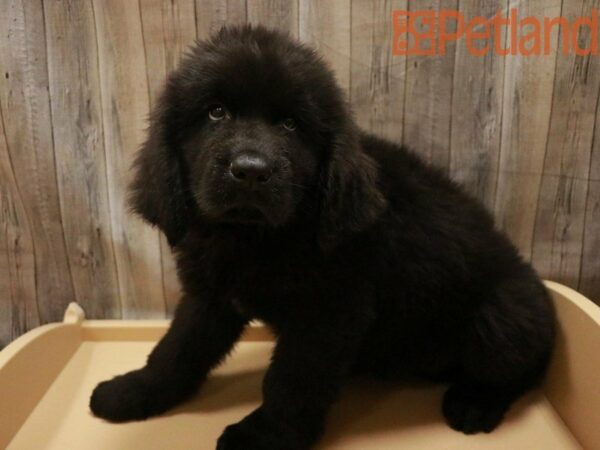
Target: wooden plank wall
x: 78, y: 77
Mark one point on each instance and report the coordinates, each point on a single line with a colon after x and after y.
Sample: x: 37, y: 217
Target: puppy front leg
x: 308, y: 367
x: 203, y: 331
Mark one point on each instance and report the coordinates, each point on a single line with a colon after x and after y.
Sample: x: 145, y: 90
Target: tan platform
x: 47, y: 376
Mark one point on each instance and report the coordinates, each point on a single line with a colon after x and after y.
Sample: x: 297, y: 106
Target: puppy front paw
x: 125, y: 397
x: 255, y: 432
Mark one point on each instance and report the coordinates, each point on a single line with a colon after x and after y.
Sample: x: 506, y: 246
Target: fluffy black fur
x: 362, y: 259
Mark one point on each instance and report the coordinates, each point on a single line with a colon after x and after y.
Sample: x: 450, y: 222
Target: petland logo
x: 428, y: 32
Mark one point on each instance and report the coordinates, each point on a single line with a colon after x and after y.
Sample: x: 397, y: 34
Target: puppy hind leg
x: 472, y: 408
x: 506, y: 352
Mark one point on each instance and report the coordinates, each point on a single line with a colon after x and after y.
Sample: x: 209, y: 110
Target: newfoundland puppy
x: 361, y: 258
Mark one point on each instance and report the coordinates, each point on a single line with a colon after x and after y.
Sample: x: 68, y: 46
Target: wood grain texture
x: 28, y: 133
x: 80, y: 159
x: 78, y: 77
x: 18, y: 299
x: 559, y: 225
x: 428, y: 102
x: 281, y: 14
x: 476, y: 117
x: 326, y: 26
x: 377, y: 77
x: 589, y: 279
x: 125, y: 107
x: 528, y: 87
x: 213, y: 14
x: 169, y: 28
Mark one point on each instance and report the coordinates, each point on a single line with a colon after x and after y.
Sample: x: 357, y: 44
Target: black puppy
x: 361, y: 258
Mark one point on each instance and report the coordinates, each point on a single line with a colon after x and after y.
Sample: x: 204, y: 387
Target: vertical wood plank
x: 589, y: 282
x: 528, y: 87
x: 558, y: 234
x: 213, y: 14
x: 377, y: 77
x: 18, y: 307
x: 428, y: 101
x: 282, y: 14
x: 169, y: 28
x: 326, y: 26
x: 28, y: 133
x: 125, y: 107
x: 80, y: 160
x: 477, y: 110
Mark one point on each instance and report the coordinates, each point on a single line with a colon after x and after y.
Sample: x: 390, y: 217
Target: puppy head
x: 252, y: 129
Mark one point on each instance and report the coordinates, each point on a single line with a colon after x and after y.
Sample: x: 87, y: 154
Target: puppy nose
x: 251, y: 169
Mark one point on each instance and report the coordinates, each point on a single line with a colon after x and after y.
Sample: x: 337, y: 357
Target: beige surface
x: 378, y: 416
x: 573, y: 384
x: 368, y: 416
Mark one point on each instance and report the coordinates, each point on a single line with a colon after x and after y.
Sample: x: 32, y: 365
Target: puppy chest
x: 271, y: 299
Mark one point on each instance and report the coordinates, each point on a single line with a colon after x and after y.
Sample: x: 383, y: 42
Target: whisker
x: 300, y: 186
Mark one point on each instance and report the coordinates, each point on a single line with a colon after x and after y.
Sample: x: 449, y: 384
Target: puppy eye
x: 217, y: 112
x: 289, y: 124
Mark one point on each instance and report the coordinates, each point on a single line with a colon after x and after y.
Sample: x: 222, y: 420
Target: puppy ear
x: 351, y: 200
x: 158, y: 191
